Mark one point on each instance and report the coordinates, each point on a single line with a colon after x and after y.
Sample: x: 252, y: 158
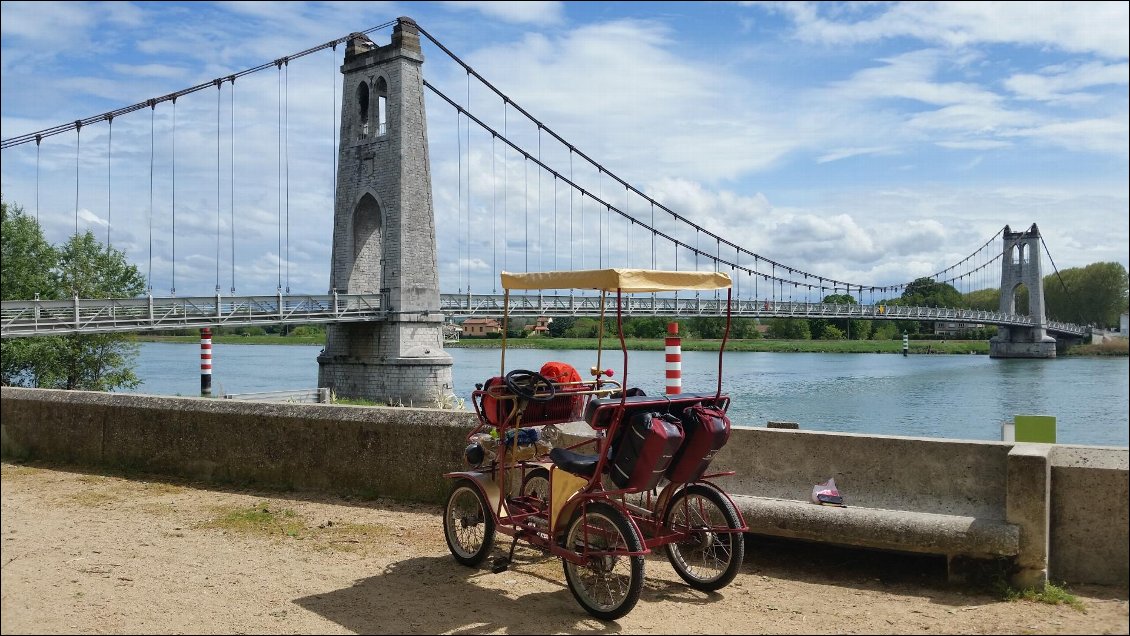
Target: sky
x: 871, y: 143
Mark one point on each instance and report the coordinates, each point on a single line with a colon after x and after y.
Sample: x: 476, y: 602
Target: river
x: 950, y: 396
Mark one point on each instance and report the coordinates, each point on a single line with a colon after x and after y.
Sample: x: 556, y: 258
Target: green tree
x: 832, y: 332
x: 1091, y: 295
x: 926, y: 292
x: 26, y: 258
x: 789, y: 329
x: 984, y: 299
x: 82, y: 267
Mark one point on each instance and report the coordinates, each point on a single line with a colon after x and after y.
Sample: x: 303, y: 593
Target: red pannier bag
x: 707, y: 430
x: 644, y: 450
x: 494, y: 409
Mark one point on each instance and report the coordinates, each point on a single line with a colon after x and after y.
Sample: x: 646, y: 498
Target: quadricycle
x: 633, y: 480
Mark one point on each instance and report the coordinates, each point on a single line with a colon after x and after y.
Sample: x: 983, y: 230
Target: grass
x: 265, y: 521
x: 1051, y: 594
x: 258, y: 520
x: 1117, y: 347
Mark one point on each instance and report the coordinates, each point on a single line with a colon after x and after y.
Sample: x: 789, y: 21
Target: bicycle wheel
x: 536, y: 484
x: 707, y: 559
x: 468, y: 524
x: 608, y: 585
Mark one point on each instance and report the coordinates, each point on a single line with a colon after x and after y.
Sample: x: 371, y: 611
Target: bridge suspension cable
x: 508, y: 101
x: 62, y: 128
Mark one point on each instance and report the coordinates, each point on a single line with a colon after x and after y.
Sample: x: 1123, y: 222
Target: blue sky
x: 867, y: 142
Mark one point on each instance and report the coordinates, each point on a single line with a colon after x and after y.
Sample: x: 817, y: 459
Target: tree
x: 789, y: 329
x: 926, y: 292
x: 1092, y: 295
x: 83, y: 268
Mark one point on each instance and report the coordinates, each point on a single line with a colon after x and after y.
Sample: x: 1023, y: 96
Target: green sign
x: 1035, y: 428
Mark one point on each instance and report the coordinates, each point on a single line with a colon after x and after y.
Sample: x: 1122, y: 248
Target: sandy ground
x: 91, y: 553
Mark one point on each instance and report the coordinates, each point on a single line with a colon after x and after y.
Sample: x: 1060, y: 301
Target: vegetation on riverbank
x: 638, y: 344
x: 979, y: 347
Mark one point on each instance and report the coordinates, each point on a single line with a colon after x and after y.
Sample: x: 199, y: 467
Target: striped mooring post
x: 205, y: 362
x: 674, y: 359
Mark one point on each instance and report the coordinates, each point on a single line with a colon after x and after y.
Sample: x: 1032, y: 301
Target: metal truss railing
x: 55, y: 317
x: 491, y: 305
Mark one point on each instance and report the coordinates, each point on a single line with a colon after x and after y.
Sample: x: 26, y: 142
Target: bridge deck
x: 55, y: 317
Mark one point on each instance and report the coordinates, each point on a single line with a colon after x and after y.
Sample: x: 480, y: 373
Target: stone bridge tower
x: 1020, y: 265
x: 384, y: 238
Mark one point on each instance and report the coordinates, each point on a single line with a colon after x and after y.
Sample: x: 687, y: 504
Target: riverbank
x: 763, y: 345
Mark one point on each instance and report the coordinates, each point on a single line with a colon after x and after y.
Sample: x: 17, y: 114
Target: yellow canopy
x: 626, y: 280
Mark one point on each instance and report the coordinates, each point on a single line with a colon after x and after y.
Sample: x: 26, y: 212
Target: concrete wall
x: 399, y: 453
x: 402, y: 453
x: 1089, y: 518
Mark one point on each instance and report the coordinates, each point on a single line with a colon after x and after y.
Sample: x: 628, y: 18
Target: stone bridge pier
x: 1020, y: 265
x: 384, y: 231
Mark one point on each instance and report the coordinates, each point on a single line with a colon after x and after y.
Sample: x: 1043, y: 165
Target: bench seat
x: 900, y: 530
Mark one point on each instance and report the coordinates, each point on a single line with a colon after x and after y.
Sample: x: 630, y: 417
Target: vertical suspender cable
x: 78, y: 149
x: 582, y: 215
x: 109, y: 176
x: 571, y: 181
x: 173, y: 286
x: 231, y: 230
x: 653, y: 235
x: 599, y: 220
x: 286, y: 161
x: 467, y: 229
x: 555, y: 234
x: 541, y: 246
x: 333, y: 135
x: 219, y: 91
x: 493, y: 217
x: 459, y: 198
x: 152, y: 115
x: 38, y: 141
x: 526, y: 207
x: 278, y: 182
x: 505, y: 184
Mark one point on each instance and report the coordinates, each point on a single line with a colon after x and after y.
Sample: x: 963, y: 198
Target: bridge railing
x: 50, y: 317
x: 691, y: 305
x: 56, y: 317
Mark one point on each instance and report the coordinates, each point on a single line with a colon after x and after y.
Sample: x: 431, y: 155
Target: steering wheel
x: 527, y: 384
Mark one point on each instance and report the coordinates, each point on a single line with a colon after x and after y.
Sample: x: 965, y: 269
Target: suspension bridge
x: 384, y: 305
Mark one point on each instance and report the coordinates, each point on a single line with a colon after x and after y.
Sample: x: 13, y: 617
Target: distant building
x: 956, y: 328
x: 478, y: 327
x: 1123, y: 328
x: 541, y: 327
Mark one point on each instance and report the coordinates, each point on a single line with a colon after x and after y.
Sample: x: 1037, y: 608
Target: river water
x: 951, y: 396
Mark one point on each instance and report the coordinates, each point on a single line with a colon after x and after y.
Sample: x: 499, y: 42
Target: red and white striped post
x: 674, y: 359
x: 205, y: 362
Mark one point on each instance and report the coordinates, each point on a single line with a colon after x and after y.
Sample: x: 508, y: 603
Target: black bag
x: 644, y: 449
x: 707, y: 430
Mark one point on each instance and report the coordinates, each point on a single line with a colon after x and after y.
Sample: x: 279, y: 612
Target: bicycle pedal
x: 499, y: 565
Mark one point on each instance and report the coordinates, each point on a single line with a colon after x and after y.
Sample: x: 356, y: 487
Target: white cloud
x: 517, y: 11
x: 1079, y: 27
x: 1061, y: 84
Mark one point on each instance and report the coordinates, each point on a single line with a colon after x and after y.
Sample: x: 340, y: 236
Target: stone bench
x: 960, y: 499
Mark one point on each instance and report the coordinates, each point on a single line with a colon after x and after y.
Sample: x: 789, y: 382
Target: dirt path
x: 88, y: 553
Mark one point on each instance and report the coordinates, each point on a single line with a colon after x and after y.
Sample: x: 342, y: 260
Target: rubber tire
x: 533, y: 481
x: 736, y: 540
x: 468, y: 555
x: 604, y: 512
